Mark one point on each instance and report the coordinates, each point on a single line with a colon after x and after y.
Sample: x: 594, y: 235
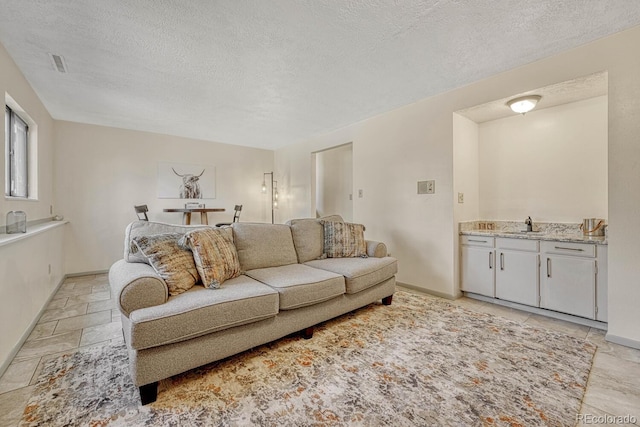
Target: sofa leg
x: 387, y: 300
x: 307, y: 333
x: 148, y: 393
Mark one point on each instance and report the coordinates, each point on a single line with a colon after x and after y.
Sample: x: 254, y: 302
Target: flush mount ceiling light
x: 524, y: 104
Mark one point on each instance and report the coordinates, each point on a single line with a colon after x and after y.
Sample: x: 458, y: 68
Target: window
x: 17, y: 155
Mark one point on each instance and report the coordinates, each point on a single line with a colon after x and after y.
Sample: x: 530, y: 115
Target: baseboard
x: 429, y: 291
x: 622, y: 341
x: 86, y: 273
x: 33, y: 324
x: 541, y: 311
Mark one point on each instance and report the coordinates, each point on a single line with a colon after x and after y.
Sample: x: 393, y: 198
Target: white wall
x: 391, y: 153
x: 619, y: 52
x: 13, y: 83
x: 465, y: 177
x: 27, y: 285
x: 394, y: 150
x: 550, y: 164
x: 466, y: 166
x: 25, y: 282
x: 101, y: 173
x: 334, y: 182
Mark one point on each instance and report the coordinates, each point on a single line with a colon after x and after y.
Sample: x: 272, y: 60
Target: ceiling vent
x: 58, y: 63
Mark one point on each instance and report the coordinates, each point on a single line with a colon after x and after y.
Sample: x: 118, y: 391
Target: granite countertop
x: 544, y: 231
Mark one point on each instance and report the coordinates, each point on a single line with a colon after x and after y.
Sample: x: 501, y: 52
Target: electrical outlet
x: 350, y: 196
x: 460, y: 197
x: 360, y: 194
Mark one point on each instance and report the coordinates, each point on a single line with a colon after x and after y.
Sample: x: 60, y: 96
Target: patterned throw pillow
x: 172, y: 262
x: 343, y: 240
x: 215, y: 255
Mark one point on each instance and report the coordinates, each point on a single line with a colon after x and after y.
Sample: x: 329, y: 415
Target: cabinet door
x: 477, y: 270
x: 517, y: 276
x: 568, y: 285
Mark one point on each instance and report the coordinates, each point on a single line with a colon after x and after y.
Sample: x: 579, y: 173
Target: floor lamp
x: 274, y: 192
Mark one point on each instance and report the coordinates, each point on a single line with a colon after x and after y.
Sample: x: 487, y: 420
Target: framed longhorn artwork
x: 186, y: 181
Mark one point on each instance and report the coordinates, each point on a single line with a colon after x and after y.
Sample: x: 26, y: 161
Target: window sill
x: 6, y: 239
x: 19, y: 199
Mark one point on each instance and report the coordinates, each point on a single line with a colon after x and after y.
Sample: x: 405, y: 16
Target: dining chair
x: 142, y: 210
x: 236, y: 216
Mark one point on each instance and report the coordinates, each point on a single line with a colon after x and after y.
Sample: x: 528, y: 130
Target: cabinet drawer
x: 568, y: 248
x: 477, y: 241
x: 517, y: 244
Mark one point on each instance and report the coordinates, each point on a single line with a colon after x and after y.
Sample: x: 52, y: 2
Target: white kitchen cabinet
x: 567, y: 277
x: 568, y: 281
x: 517, y: 271
x: 477, y: 265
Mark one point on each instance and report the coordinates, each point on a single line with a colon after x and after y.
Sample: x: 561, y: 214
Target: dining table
x: 186, y: 213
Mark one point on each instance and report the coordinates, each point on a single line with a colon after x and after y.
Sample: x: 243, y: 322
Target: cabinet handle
x: 569, y: 249
x: 490, y: 261
x: 501, y: 261
x: 548, y: 267
x: 477, y: 241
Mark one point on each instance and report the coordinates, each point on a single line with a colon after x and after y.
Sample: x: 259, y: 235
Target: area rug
x: 420, y: 362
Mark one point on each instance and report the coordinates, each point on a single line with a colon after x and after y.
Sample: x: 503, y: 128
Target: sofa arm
x: 376, y: 249
x: 136, y: 286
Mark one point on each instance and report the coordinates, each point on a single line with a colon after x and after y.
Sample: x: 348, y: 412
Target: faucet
x: 529, y: 224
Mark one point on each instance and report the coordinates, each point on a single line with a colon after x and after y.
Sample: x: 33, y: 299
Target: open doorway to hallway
x: 332, y: 181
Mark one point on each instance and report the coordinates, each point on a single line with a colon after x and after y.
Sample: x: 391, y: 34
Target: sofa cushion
x: 214, y: 254
x: 263, y: 245
x: 308, y: 238
x: 343, y: 239
x: 171, y: 261
x: 360, y: 273
x: 148, y: 228
x: 300, y: 285
x: 200, y: 311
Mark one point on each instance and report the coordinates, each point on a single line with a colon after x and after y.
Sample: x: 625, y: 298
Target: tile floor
x: 83, y: 313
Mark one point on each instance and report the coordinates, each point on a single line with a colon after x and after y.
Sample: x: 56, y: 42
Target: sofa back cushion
x: 148, y: 228
x: 308, y: 236
x: 263, y: 245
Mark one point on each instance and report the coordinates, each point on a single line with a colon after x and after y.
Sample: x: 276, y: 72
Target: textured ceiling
x: 561, y: 93
x: 271, y: 73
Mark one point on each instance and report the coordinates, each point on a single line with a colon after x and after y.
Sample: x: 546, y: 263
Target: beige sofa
x: 286, y: 287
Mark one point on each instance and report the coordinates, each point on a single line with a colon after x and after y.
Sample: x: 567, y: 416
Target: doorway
x: 332, y: 182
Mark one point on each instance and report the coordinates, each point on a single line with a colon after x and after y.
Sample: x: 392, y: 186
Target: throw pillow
x: 172, y: 262
x: 215, y: 255
x: 344, y: 239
